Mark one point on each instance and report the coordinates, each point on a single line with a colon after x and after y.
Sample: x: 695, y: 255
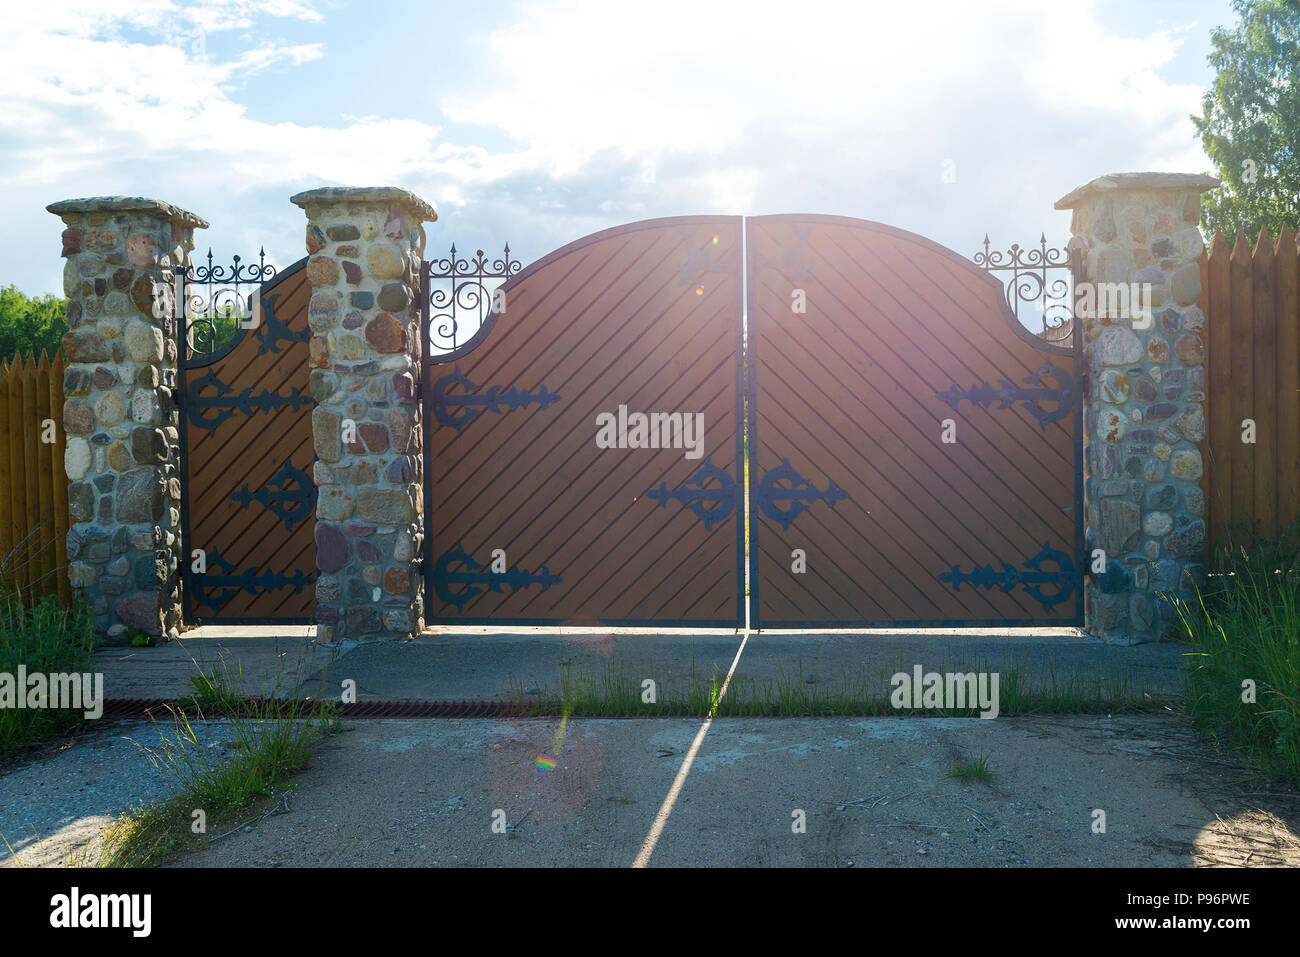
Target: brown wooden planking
x: 62, y: 519
x: 1288, y: 377
x: 1264, y: 406
x: 613, y: 319
x: 250, y: 450
x: 1223, y: 436
x: 34, y: 517
x: 8, y: 528
x: 45, y: 481
x: 1241, y: 381
x: 31, y: 444
x: 918, y: 326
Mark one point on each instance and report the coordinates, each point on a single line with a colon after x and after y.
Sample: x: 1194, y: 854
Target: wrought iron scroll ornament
x: 1061, y: 579
x: 475, y: 576
x: 800, y: 493
x: 212, y: 292
x: 1035, y: 284
x: 223, y: 403
x: 473, y: 403
x: 794, y: 261
x: 457, y: 292
x: 289, y: 493
x: 1030, y: 395
x: 215, y: 590
x: 694, y: 494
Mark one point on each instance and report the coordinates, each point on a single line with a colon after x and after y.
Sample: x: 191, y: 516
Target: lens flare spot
x: 699, y: 290
x: 545, y: 765
x: 715, y: 239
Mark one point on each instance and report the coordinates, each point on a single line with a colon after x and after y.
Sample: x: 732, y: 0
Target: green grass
x: 1245, y: 627
x: 973, y: 769
x: 612, y: 692
x: 45, y: 637
x: 274, y: 736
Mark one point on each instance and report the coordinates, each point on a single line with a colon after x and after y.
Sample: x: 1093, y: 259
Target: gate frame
x: 188, y: 608
x: 485, y: 327
x: 1079, y: 389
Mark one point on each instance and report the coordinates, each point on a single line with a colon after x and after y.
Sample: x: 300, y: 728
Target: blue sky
x: 539, y: 122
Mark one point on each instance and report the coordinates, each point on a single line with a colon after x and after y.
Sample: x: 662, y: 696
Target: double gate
x: 902, y: 450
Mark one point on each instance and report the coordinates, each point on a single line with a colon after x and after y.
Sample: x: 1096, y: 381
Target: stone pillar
x: 366, y: 248
x: 122, y: 456
x: 1143, y: 419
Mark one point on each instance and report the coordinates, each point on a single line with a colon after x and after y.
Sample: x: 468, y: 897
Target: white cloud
x: 611, y: 111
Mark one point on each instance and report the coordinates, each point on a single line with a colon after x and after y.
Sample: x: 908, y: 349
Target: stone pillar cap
x: 1112, y: 182
x: 366, y: 194
x: 127, y: 204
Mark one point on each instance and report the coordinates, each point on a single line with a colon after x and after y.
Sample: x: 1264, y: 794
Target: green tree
x: 29, y: 324
x: 1251, y: 122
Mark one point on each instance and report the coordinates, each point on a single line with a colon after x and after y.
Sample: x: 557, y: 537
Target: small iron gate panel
x: 863, y: 340
x: 544, y: 504
x: 250, y: 499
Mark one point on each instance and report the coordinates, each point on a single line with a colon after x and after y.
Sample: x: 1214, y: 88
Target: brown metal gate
x: 249, y: 497
x: 863, y: 340
x: 532, y: 517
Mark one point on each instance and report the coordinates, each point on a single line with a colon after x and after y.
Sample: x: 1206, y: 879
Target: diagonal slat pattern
x: 647, y: 317
x: 847, y: 392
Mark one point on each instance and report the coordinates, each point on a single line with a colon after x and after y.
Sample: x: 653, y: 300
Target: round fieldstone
x: 386, y: 334
x: 1114, y: 387
x: 78, y: 417
x: 1160, y: 411
x: 315, y: 239
x: 1186, y: 464
x: 1158, y: 351
x: 397, y: 581
x: 385, y: 261
x: 331, y: 548
x: 144, y: 343
x: 1189, y: 350
x: 81, y: 502
x: 148, y: 446
x: 385, y: 506
x: 351, y: 273
x: 395, y: 297
x: 1115, y: 346
x: 1188, y: 542
x: 76, y: 382
x: 76, y: 458
x: 139, y: 497
x: 110, y: 409
x: 1190, y: 424
x: 142, y: 249
x: 1111, y: 426
x: 119, y: 457
x: 84, y: 347
x: 322, y: 271
x: 1156, y: 524
x: 343, y: 233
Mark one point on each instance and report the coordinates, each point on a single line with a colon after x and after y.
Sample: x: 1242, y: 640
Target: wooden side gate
x: 249, y: 510
x: 913, y: 450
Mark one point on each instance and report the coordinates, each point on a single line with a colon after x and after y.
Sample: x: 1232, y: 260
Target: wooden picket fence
x: 34, y: 517
x: 1252, y: 371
